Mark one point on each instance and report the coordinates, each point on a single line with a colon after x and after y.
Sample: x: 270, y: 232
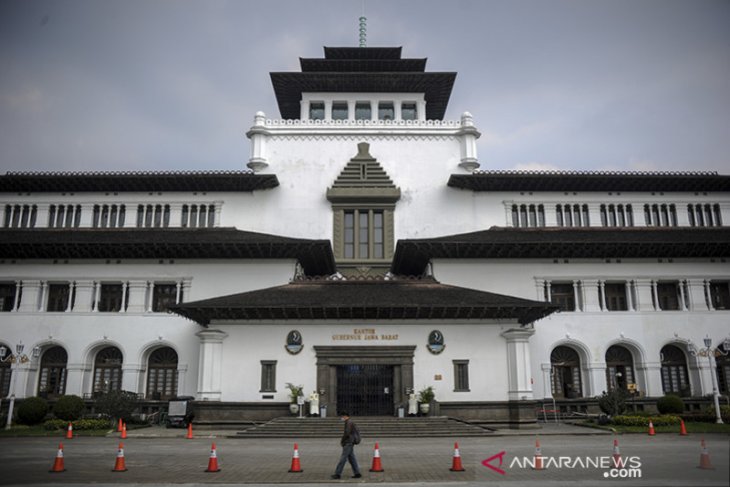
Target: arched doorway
x: 108, y: 370
x: 675, y: 378
x: 52, y: 381
x: 723, y: 370
x: 162, y: 374
x: 5, y: 374
x: 566, y: 381
x: 619, y: 368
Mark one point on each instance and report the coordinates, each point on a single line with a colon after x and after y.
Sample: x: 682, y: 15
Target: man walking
x: 350, y: 438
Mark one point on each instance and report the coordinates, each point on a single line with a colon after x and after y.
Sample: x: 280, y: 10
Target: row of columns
x: 139, y: 295
x: 374, y: 103
x: 641, y: 294
x: 594, y: 212
x: 42, y: 215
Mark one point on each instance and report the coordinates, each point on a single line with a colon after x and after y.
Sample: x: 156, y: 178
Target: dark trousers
x: 348, y: 454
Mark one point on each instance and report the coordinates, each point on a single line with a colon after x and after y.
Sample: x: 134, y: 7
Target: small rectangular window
x: 668, y: 294
x: 7, y: 296
x: 339, y: 110
x: 58, y: 296
x: 268, y: 376
x: 349, y: 235
x: 720, y: 294
x: 408, y: 111
x: 461, y: 376
x: 563, y: 296
x: 110, y: 298
x: 386, y: 110
x: 163, y: 296
x: 316, y: 110
x: 363, y: 111
x: 616, y: 296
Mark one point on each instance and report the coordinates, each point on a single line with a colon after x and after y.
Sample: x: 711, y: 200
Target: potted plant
x: 294, y: 393
x: 426, y: 397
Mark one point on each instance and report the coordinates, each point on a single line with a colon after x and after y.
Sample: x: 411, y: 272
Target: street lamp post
x: 15, y: 359
x: 710, y: 352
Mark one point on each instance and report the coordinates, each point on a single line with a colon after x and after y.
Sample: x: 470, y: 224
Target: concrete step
x: 370, y: 427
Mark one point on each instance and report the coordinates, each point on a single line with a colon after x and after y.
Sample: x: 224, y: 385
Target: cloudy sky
x: 173, y: 84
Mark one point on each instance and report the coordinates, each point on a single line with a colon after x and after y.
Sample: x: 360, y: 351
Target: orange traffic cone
x: 617, y: 463
x: 58, y: 463
x: 213, y: 461
x: 456, y: 462
x: 651, y: 429
x: 70, y: 432
x: 296, y: 467
x: 124, y: 431
x: 377, y: 466
x: 189, y: 436
x: 538, y: 455
x: 120, y: 466
x: 119, y: 426
x: 682, y: 428
x: 705, y: 457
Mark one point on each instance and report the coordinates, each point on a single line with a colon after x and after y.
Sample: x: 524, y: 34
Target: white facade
x: 222, y: 362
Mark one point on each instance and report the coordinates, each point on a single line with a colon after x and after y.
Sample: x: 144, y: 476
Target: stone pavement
x: 665, y: 460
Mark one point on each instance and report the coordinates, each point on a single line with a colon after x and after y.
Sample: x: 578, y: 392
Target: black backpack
x: 355, y: 434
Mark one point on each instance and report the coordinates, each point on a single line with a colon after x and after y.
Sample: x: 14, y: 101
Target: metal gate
x: 365, y: 390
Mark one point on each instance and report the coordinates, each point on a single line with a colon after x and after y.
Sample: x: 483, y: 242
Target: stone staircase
x: 370, y: 427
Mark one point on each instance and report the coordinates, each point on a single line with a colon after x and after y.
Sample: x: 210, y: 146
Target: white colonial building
x: 364, y: 255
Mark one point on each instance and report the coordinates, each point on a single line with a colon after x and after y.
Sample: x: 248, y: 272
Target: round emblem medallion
x: 294, y: 342
x: 436, y: 342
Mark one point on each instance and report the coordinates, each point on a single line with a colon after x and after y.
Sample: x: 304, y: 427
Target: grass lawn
x: 692, y: 427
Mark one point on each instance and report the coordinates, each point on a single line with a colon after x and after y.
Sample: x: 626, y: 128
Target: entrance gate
x: 365, y: 389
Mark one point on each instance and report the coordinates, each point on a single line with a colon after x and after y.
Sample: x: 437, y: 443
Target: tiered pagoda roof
x: 363, y: 70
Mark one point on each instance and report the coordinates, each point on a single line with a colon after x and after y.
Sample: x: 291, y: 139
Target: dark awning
x: 407, y: 299
x: 80, y: 182
x: 412, y: 256
x: 315, y: 256
x: 590, y: 181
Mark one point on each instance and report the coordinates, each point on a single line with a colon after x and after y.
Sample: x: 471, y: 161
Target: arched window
x: 674, y: 371
x: 5, y: 372
x: 619, y: 368
x: 566, y: 373
x: 52, y: 381
x: 723, y: 371
x: 108, y: 370
x: 162, y: 374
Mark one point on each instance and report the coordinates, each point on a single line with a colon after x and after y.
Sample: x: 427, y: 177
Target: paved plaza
x: 664, y: 460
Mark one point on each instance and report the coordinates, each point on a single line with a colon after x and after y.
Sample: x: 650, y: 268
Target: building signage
x: 369, y: 334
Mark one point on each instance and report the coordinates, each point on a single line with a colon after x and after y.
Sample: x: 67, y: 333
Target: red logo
x: 487, y: 463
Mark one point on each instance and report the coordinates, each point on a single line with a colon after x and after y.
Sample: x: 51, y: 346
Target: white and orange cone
x: 124, y: 431
x: 705, y: 457
x: 538, y: 456
x: 189, y: 435
x: 296, y: 466
x: 119, y: 426
x: 213, y: 460
x: 58, y: 462
x: 456, y: 465
x: 651, y: 429
x: 617, y: 463
x: 70, y: 432
x: 119, y: 465
x: 377, y: 465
